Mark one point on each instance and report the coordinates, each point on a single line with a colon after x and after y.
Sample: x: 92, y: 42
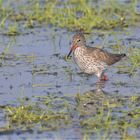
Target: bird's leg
x: 103, y: 77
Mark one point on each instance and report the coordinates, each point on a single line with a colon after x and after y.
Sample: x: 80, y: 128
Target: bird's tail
x: 117, y: 57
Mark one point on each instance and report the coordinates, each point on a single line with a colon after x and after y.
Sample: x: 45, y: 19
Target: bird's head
x: 77, y: 41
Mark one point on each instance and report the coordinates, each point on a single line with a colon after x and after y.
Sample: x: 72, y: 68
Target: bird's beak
x: 69, y: 53
x: 71, y: 50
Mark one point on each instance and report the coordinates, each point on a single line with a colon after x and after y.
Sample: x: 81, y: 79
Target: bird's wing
x: 103, y: 55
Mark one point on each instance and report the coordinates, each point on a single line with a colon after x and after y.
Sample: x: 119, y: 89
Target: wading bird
x: 92, y: 60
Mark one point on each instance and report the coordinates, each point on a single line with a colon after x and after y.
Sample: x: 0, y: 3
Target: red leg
x: 105, y: 78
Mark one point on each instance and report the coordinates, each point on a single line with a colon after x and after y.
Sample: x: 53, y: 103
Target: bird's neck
x: 80, y: 50
x: 83, y: 46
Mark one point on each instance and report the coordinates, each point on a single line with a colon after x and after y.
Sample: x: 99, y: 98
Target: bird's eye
x: 78, y: 40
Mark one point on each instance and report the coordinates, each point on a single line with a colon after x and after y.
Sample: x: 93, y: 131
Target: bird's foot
x: 103, y: 78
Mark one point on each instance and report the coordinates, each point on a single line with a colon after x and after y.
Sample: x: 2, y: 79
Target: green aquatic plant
x: 106, y: 121
x: 74, y: 14
x: 99, y: 115
x: 5, y: 12
x: 71, y: 16
x: 27, y: 116
x: 134, y: 56
x: 43, y: 114
x: 6, y: 51
x: 13, y: 30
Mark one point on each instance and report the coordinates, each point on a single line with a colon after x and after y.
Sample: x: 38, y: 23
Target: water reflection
x: 92, y: 101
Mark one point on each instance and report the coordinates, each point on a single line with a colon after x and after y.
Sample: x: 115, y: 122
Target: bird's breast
x: 86, y: 62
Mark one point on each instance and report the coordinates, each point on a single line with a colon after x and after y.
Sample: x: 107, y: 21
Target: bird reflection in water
x: 92, y: 101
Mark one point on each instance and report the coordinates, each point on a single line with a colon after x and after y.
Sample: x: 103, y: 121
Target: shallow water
x: 42, y: 51
x: 39, y: 50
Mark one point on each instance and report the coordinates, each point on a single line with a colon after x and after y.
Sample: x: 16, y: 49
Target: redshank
x: 92, y: 60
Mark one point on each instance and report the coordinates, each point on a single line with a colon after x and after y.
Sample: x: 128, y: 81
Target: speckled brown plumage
x: 92, y: 60
x: 104, y: 56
